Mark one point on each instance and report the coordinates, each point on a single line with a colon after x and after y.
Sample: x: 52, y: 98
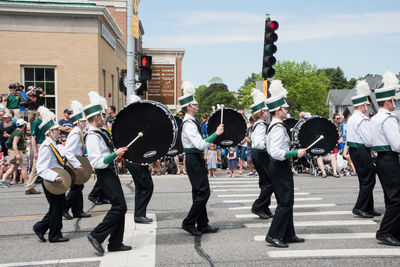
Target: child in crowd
x: 232, y: 161
x: 212, y: 157
x: 6, y: 170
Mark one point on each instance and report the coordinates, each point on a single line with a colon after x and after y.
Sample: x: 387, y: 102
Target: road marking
x: 317, y: 205
x: 238, y: 185
x: 256, y: 195
x: 313, y: 213
x: 52, y: 262
x: 334, y: 253
x: 234, y: 179
x: 252, y: 200
x: 236, y: 190
x: 328, y: 236
x: 316, y: 223
x: 239, y: 182
x: 142, y: 238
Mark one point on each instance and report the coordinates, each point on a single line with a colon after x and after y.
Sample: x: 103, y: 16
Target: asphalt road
x: 322, y: 215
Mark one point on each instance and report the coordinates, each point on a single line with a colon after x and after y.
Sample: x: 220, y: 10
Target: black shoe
x: 191, y: 230
x: 269, y: 213
x: 96, y: 244
x: 60, y: 239
x: 95, y: 200
x: 105, y: 201
x: 121, y: 248
x: 294, y: 239
x: 82, y: 215
x: 362, y: 214
x: 40, y: 235
x: 388, y: 240
x: 275, y: 242
x: 143, y: 220
x: 261, y: 214
x: 66, y: 215
x: 208, y: 229
x: 374, y: 213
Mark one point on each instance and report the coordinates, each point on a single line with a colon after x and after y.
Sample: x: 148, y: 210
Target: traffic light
x: 270, y: 37
x: 122, y: 86
x: 145, y: 68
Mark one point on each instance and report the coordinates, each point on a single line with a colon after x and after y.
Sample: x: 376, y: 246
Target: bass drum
x: 290, y: 123
x: 157, y: 124
x: 178, y: 147
x: 234, y: 127
x: 312, y: 129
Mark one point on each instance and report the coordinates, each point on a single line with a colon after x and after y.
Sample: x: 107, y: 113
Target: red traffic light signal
x: 271, y: 26
x: 270, y: 37
x: 145, y: 62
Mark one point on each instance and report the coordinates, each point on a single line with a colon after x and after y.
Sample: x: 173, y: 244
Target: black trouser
x: 361, y: 158
x: 388, y: 169
x: 114, y: 221
x: 74, y: 199
x: 97, y: 192
x: 197, y: 172
x: 143, y: 187
x: 261, y: 164
x: 282, y: 181
x: 53, y: 218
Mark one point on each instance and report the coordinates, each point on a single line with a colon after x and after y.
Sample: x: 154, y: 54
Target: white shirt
x: 358, y: 130
x: 47, y: 161
x: 191, y: 137
x: 278, y: 141
x: 96, y: 149
x: 385, y: 128
x: 74, y: 147
x: 259, y: 135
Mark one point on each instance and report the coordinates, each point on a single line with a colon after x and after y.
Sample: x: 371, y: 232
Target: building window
x: 42, y: 77
x: 113, y: 94
x: 103, y: 86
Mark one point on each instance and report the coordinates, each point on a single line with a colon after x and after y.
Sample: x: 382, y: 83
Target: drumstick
x: 140, y: 134
x: 222, y: 113
x: 316, y: 141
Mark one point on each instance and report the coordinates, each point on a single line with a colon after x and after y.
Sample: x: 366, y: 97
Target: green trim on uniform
x: 276, y: 104
x: 256, y: 150
x: 47, y: 126
x: 382, y: 148
x: 257, y: 107
x: 211, y: 138
x: 191, y: 150
x: 109, y: 158
x: 186, y: 100
x: 291, y: 154
x: 76, y: 117
x: 355, y: 145
x: 385, y: 94
x: 360, y: 100
x: 90, y: 110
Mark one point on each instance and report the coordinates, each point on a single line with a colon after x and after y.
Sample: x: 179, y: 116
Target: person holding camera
x: 13, y: 100
x: 34, y: 95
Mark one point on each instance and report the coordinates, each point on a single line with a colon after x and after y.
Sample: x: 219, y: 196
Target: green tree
x: 215, y: 80
x: 245, y: 98
x: 199, y: 91
x: 215, y: 87
x: 337, y: 79
x: 219, y: 97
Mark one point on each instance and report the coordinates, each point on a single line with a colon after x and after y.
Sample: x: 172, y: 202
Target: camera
x: 11, y: 86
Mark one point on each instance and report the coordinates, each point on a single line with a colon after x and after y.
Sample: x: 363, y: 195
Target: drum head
x: 234, y: 127
x: 59, y: 188
x: 312, y: 129
x: 83, y: 177
x: 178, y: 147
x: 154, y: 121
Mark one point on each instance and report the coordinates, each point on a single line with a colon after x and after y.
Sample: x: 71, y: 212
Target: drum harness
x: 106, y: 138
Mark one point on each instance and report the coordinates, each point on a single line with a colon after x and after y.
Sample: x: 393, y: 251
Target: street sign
x: 135, y: 26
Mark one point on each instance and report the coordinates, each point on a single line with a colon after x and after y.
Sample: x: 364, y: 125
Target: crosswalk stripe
x: 334, y: 253
x: 328, y: 236
x: 239, y: 182
x: 317, y: 205
x: 237, y: 185
x: 314, y: 213
x: 234, y: 179
x: 252, y: 200
x: 256, y: 195
x: 236, y: 190
x: 316, y: 223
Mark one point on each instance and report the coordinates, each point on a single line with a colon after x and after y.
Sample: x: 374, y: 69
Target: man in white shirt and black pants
x: 193, y: 146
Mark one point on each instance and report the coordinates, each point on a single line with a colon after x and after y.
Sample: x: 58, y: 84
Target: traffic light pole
x: 130, y: 58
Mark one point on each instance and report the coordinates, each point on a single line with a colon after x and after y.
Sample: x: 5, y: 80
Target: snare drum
x: 157, y: 124
x: 178, y: 147
x: 234, y: 127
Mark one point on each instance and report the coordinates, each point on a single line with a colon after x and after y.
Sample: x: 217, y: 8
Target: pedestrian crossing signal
x: 145, y: 71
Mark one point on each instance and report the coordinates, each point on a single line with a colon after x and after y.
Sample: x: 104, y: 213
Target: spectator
x: 34, y: 95
x: 5, y: 170
x: 61, y: 145
x: 66, y: 124
x: 16, y: 144
x: 249, y: 150
x: 37, y: 138
x: 232, y: 161
x: 2, y: 116
x: 212, y: 159
x: 24, y: 102
x: 158, y: 166
x: 2, y: 108
x: 204, y: 118
x: 13, y: 100
x: 6, y: 128
x: 13, y: 119
x: 330, y: 158
x: 111, y: 115
x: 242, y: 147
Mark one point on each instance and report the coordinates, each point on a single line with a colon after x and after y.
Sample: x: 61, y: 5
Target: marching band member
x: 75, y: 146
x: 193, y: 145
x: 50, y: 158
x: 101, y: 157
x: 260, y: 156
x: 281, y: 232
x: 385, y: 128
x: 359, y: 142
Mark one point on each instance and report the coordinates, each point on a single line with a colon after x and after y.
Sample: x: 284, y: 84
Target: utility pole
x: 131, y: 47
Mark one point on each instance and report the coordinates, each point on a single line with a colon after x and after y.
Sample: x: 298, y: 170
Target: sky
x: 224, y: 38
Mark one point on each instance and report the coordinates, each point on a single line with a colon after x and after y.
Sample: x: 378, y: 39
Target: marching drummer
x: 359, y: 142
x: 385, y: 128
x: 281, y: 232
x: 101, y: 156
x: 260, y: 156
x: 196, y: 222
x: 49, y: 157
x: 75, y: 146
